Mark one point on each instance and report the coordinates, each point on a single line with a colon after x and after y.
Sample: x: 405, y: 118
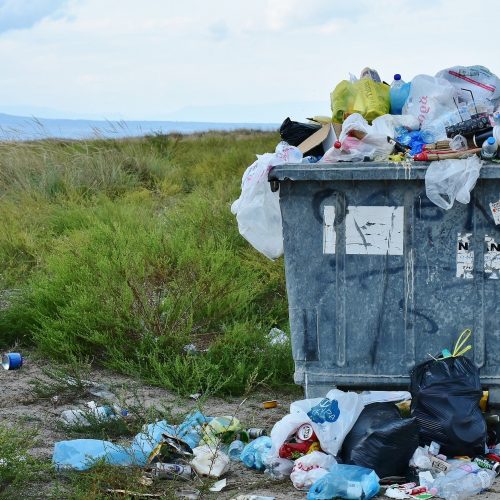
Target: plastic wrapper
x: 309, y: 468
x: 359, y: 141
x: 450, y: 180
x: 430, y: 99
x: 255, y: 454
x: 381, y: 440
x: 445, y: 402
x: 478, y: 80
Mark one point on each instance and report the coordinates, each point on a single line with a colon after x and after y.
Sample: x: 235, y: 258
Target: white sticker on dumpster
x: 329, y: 235
x: 492, y: 258
x: 374, y: 230
x: 465, y: 257
x: 495, y: 210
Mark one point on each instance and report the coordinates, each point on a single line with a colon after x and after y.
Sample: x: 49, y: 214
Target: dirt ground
x: 21, y: 409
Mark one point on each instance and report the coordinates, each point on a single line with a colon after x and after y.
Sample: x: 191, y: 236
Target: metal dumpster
x: 379, y: 278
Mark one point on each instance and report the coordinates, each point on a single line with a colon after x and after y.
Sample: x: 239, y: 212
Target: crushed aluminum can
x: 171, y: 471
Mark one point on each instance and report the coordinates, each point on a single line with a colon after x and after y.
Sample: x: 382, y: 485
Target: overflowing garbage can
x: 379, y: 277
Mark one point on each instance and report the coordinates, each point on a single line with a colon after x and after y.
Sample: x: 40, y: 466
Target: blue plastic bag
x: 345, y: 481
x: 81, y: 454
x: 255, y: 453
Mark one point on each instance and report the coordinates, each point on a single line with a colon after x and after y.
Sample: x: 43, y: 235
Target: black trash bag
x: 445, y: 402
x: 381, y: 440
x: 296, y: 133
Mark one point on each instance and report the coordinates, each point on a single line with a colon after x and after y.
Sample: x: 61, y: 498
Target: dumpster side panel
x: 379, y: 278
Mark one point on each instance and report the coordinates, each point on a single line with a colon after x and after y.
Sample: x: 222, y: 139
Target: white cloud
x: 150, y: 58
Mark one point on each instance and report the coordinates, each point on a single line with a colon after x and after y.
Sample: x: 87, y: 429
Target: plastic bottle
x: 235, y: 449
x: 469, y: 485
x: 489, y: 148
x: 399, y: 93
x: 85, y: 417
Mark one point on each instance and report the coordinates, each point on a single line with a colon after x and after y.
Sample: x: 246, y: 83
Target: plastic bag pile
x: 451, y: 119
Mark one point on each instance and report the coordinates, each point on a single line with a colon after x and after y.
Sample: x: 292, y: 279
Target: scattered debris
x: 219, y: 485
x: 270, y: 404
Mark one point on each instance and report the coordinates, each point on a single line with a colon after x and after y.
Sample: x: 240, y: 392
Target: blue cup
x: 12, y: 361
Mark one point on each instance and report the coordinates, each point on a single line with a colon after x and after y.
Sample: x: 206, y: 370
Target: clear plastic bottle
x: 398, y: 93
x: 472, y: 484
x: 489, y: 148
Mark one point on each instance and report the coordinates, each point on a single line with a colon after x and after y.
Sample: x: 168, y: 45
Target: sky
x: 224, y: 60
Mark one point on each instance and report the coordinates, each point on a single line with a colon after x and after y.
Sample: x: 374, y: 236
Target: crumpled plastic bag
x: 450, y: 180
x: 346, y: 481
x: 430, y: 99
x: 309, y: 468
x: 215, y: 430
x: 359, y: 140
x: 479, y: 80
x: 366, y: 97
x: 255, y: 454
x: 257, y: 209
x: 210, y: 461
x: 82, y: 454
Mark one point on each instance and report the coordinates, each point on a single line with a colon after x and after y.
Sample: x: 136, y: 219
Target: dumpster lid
x: 362, y: 171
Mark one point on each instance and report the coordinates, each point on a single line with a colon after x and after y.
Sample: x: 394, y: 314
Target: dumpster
x: 379, y: 278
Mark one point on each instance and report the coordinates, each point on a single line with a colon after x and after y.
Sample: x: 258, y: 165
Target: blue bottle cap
x: 397, y: 76
x: 491, y: 140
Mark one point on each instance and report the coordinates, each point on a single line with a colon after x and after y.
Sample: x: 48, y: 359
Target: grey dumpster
x: 379, y: 278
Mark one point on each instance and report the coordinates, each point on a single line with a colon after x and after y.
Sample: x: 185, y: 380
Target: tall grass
x: 126, y: 251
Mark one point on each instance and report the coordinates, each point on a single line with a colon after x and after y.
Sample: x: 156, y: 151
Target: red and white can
x: 305, y: 433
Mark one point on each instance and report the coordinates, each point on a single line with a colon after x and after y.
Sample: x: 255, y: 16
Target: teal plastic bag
x: 346, y: 481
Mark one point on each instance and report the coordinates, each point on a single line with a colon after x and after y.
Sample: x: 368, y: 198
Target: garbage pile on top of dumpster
x: 451, y: 120
x: 438, y: 440
x: 452, y: 115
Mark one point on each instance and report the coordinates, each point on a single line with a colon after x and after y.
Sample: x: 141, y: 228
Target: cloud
x: 23, y: 14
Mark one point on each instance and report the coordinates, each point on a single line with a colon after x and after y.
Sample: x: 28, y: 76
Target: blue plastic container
x: 12, y: 361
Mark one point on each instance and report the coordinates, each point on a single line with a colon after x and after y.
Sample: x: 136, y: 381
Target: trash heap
x: 451, y: 119
x: 438, y: 440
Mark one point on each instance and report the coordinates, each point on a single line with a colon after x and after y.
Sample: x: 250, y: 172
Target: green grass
x: 125, y: 251
x: 18, y: 469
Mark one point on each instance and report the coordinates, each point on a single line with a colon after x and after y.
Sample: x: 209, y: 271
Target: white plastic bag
x: 479, y: 80
x: 430, y: 99
x: 209, y: 461
x: 359, y: 140
x: 309, y: 468
x: 454, y: 179
x: 331, y: 417
x: 257, y: 209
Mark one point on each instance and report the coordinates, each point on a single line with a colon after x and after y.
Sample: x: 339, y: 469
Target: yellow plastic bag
x: 366, y: 97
